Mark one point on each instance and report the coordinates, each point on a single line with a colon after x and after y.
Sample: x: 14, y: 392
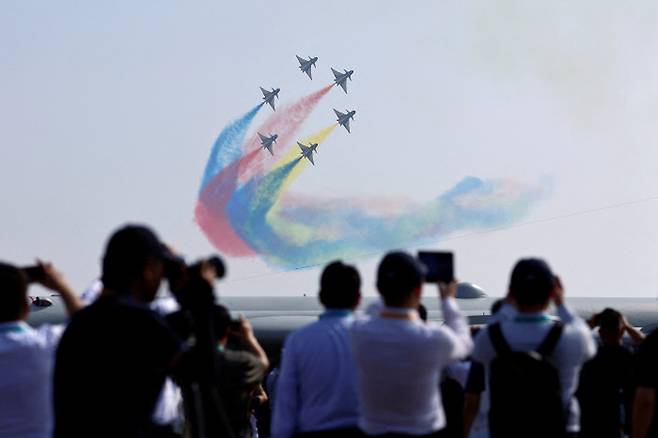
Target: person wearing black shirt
x: 644, y: 404
x: 241, y: 364
x: 605, y: 386
x: 114, y: 355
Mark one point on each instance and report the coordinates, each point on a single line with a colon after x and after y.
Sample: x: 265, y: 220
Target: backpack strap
x: 551, y: 339
x: 497, y: 339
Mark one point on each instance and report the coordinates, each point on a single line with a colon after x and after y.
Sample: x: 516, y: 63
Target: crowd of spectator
x: 123, y: 367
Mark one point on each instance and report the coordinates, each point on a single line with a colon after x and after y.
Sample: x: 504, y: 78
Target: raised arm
x: 251, y: 343
x: 454, y: 319
x: 54, y: 280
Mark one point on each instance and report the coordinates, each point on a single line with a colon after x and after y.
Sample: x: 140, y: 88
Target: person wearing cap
x: 399, y: 359
x: 27, y: 354
x: 532, y: 288
x: 316, y: 389
x: 113, y: 357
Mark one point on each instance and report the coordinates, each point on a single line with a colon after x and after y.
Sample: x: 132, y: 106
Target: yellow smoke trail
x: 297, y: 233
x: 295, y: 153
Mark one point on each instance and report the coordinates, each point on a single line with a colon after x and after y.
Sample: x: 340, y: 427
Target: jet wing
x: 265, y: 92
x: 336, y: 73
x: 308, y: 72
x: 302, y: 147
x: 339, y: 114
x: 310, y: 158
x: 271, y: 102
x: 269, y: 148
x: 262, y: 137
x: 347, y: 125
x: 301, y: 60
x: 343, y: 84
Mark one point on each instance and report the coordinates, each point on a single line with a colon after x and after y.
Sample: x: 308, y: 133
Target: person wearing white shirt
x: 532, y: 287
x: 316, y: 388
x: 399, y: 359
x: 27, y: 355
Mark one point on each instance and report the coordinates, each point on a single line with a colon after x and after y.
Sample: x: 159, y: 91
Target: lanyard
x: 14, y: 327
x: 531, y: 318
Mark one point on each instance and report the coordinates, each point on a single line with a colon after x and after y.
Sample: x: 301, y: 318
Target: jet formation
x: 266, y: 142
x: 307, y: 151
x: 344, y: 118
x: 268, y: 96
x: 341, y: 78
x: 306, y: 64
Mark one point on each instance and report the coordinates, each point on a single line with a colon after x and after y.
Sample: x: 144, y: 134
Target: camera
x: 186, y: 282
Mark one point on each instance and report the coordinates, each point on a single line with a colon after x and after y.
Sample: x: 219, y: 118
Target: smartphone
x: 34, y: 274
x: 439, y: 266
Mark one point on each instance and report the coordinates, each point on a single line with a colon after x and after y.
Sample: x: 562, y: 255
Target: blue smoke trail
x: 298, y: 233
x: 227, y: 147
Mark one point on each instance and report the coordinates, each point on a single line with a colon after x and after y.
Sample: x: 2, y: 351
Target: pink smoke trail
x: 285, y: 122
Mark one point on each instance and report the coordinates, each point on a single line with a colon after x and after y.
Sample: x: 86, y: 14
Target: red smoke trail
x: 285, y: 122
x: 210, y: 211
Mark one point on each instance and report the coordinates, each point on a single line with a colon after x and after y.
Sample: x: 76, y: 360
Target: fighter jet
x: 268, y: 96
x: 267, y: 142
x: 344, y: 118
x: 305, y: 64
x: 307, y: 151
x: 341, y: 78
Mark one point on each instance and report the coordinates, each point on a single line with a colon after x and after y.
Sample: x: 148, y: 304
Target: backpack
x: 524, y: 386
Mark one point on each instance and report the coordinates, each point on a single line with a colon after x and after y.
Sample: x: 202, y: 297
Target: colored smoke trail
x: 227, y: 147
x: 221, y: 179
x: 244, y: 211
x: 210, y: 211
x: 285, y: 122
x: 304, y: 231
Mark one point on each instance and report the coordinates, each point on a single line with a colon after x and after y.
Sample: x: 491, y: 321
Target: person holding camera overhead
x: 114, y: 356
x: 27, y: 355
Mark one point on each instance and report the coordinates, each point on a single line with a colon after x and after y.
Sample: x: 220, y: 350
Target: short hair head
x: 532, y: 282
x: 340, y: 286
x: 127, y: 254
x: 13, y: 293
x: 398, y: 275
x: 610, y: 320
x: 497, y: 305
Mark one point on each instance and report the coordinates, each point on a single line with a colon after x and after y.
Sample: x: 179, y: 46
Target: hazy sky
x: 108, y: 111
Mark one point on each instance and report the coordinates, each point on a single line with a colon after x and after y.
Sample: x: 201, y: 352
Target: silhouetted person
x: 605, y: 389
x: 114, y: 355
x: 27, y: 355
x: 533, y: 361
x: 400, y: 359
x: 645, y: 406
x: 316, y: 393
